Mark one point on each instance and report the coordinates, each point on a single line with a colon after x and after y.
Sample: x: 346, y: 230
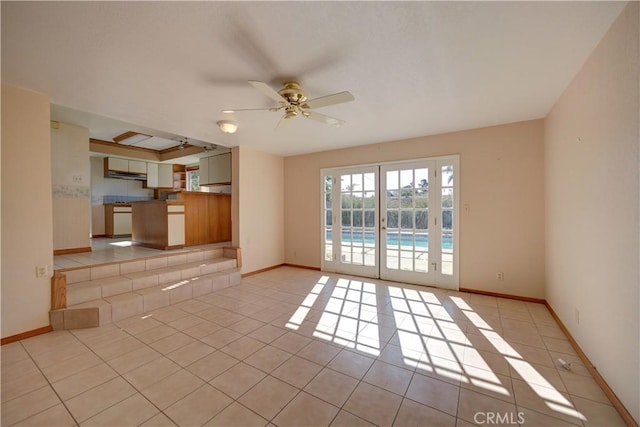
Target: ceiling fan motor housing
x: 292, y: 93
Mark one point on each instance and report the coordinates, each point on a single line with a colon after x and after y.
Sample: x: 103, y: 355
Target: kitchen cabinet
x: 118, y: 165
x: 136, y: 166
x: 204, y: 171
x: 216, y: 170
x: 152, y: 175
x: 160, y: 175
x: 165, y: 175
x: 117, y: 219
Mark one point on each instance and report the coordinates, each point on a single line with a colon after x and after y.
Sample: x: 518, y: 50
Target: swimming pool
x: 358, y: 236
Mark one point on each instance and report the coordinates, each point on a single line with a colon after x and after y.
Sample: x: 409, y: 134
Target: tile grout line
x: 324, y: 366
x: 300, y: 390
x: 160, y: 411
x: 52, y: 389
x: 121, y: 375
x: 118, y: 375
x: 233, y: 400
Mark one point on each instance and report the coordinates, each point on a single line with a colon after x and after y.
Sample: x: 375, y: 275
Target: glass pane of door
x: 405, y: 229
x: 350, y: 229
x: 447, y: 211
x: 327, y: 225
x: 358, y: 213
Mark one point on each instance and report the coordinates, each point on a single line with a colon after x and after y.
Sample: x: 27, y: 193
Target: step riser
x: 128, y: 267
x: 78, y: 293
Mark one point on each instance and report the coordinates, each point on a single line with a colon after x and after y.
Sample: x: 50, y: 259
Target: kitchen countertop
x: 167, y: 202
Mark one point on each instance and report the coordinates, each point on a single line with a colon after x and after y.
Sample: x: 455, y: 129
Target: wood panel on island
x: 186, y: 218
x: 159, y: 224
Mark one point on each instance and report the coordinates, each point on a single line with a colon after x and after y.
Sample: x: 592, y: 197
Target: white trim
x: 393, y: 162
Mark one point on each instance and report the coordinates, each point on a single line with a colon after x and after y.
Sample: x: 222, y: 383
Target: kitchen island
x: 159, y: 224
x: 207, y: 216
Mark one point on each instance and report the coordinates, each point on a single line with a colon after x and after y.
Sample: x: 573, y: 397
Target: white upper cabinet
x: 152, y: 175
x: 216, y: 170
x: 137, y: 166
x: 220, y: 169
x: 204, y: 171
x: 159, y: 175
x: 165, y: 175
x: 116, y: 164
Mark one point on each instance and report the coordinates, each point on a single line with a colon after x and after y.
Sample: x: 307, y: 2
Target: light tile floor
x: 294, y: 347
x: 106, y: 250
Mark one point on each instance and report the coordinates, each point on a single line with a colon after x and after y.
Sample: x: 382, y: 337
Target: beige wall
x: 235, y: 197
x: 501, y: 179
x: 591, y: 189
x: 27, y: 225
x: 71, y: 186
x: 260, y: 195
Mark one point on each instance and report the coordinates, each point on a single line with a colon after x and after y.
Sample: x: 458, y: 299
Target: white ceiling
x: 415, y: 68
x: 105, y: 129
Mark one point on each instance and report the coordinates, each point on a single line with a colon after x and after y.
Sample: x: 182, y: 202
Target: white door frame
x: 450, y: 281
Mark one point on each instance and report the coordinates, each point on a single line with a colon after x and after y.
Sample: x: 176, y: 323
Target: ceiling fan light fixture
x: 290, y: 113
x: 227, y: 126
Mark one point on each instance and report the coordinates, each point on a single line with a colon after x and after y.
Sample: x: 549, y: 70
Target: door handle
x: 383, y: 228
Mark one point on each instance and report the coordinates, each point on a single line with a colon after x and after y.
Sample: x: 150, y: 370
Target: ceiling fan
x: 293, y: 101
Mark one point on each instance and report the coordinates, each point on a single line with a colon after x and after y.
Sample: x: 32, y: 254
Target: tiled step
x: 141, y: 286
x: 131, y: 282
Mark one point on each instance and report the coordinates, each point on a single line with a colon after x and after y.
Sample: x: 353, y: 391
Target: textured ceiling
x: 415, y: 68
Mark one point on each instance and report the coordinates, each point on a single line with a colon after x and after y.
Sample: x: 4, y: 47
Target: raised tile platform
x: 101, y: 294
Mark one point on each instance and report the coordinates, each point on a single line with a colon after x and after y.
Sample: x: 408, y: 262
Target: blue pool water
x: 406, y: 239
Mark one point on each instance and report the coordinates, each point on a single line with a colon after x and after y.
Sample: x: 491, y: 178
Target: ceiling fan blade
x: 283, y: 123
x: 325, y: 101
x: 267, y: 90
x: 250, y: 109
x: 327, y: 120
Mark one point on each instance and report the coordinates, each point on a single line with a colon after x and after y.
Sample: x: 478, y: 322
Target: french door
x: 396, y: 221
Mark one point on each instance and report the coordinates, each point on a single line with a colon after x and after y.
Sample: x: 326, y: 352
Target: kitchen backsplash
x: 70, y: 191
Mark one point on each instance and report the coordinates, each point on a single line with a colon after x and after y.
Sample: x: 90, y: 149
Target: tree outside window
x: 193, y: 180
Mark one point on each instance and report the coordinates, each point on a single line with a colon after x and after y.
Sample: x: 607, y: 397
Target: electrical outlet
x: 577, y: 316
x: 500, y: 276
x: 42, y: 271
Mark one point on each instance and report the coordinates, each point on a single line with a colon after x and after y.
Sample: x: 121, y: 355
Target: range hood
x: 126, y: 175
